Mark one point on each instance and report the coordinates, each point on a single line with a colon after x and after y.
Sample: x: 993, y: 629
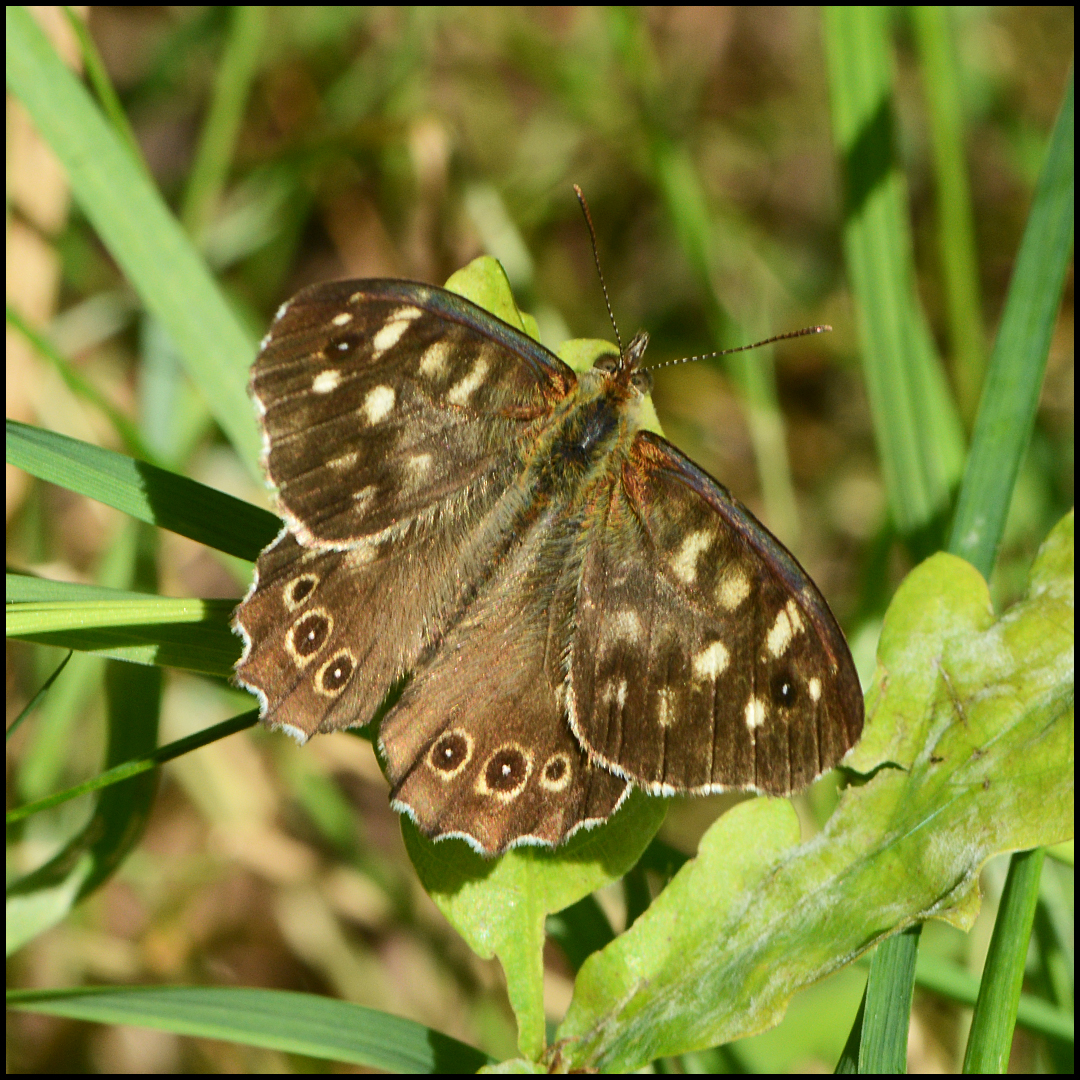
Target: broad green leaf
x: 484, y: 282
x: 969, y: 743
x: 276, y: 1019
x: 499, y: 905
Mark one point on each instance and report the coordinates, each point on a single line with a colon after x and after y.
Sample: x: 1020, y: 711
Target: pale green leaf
x: 969, y: 742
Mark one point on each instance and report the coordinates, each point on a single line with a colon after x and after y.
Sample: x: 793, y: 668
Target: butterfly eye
x: 607, y: 364
x: 641, y: 381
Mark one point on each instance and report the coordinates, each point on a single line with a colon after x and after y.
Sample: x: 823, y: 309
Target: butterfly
x: 578, y: 607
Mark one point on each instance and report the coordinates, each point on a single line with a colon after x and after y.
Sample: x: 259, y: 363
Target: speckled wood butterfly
x: 581, y: 608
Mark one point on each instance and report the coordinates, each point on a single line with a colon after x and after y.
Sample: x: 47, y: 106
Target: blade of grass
x: 127, y: 769
x: 141, y: 628
x: 217, y: 141
x: 83, y: 387
x: 918, y: 433
x: 43, y: 897
x: 138, y: 229
x: 887, y: 1000
x: 143, y: 491
x: 1002, y: 431
x: 98, y: 77
x: 956, y: 227
x: 1018, y: 361
x: 295, y: 1023
x: 994, y: 1018
x: 36, y: 700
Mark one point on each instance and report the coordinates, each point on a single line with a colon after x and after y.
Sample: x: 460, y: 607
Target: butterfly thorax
x: 594, y: 423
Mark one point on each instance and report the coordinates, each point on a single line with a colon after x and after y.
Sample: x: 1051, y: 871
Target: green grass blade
x: 956, y: 227
x: 78, y: 384
x: 275, y: 1019
x: 134, y: 767
x: 138, y: 229
x: 918, y: 433
x: 37, y: 699
x: 143, y: 491
x: 887, y: 1000
x: 1014, y: 378
x: 186, y: 633
x: 217, y: 142
x: 43, y: 897
x: 994, y: 1019
x: 1002, y: 431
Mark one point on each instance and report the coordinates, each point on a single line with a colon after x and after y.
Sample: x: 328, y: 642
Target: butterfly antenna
x: 806, y: 331
x: 596, y: 259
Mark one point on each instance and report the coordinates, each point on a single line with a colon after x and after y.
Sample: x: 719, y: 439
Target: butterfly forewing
x: 703, y: 656
x: 382, y: 401
x: 396, y: 418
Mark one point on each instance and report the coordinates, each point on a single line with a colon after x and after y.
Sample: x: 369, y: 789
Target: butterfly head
x: 627, y: 370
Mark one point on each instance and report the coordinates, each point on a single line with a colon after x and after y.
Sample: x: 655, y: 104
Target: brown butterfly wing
x: 395, y: 418
x: 479, y: 745
x: 704, y: 658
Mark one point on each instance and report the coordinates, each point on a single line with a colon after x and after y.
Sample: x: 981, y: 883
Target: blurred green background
x: 298, y: 145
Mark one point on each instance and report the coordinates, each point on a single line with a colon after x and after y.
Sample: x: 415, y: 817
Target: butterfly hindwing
x: 479, y: 745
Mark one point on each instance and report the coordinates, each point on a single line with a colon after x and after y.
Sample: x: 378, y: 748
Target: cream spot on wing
x: 712, y: 661
x: 665, y: 714
x: 344, y: 461
x: 326, y: 381
x: 361, y: 553
x: 461, y: 391
x: 788, y: 624
x: 433, y: 364
x: 620, y: 693
x: 755, y: 713
x: 363, y: 497
x: 813, y: 688
x: 342, y: 320
x: 626, y: 625
x: 732, y: 588
x: 390, y: 333
x: 684, y: 565
x: 419, y: 465
x: 378, y: 403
